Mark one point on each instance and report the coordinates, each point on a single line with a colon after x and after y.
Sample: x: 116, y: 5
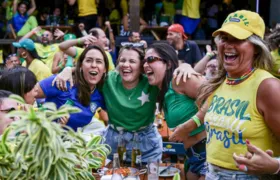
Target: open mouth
x: 93, y: 73
x: 230, y: 56
x: 149, y: 72
x: 126, y: 72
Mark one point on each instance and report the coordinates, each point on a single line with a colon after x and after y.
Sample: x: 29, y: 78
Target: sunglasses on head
x: 151, y: 59
x: 135, y: 45
x: 11, y: 55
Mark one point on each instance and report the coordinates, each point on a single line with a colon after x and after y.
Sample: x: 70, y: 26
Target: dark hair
x: 34, y: 54
x: 95, y: 32
x: 169, y: 55
x: 130, y: 34
x: 140, y: 52
x: 82, y: 86
x: 273, y: 39
x: 25, y: 3
x: 18, y: 80
x: 4, y: 94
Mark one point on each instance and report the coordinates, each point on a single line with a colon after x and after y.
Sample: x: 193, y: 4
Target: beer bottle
x: 116, y: 165
x: 121, y: 148
x: 158, y: 118
x: 136, y: 158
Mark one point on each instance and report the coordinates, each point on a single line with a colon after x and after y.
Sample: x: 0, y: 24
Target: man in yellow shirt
x: 87, y: 12
x: 45, y: 48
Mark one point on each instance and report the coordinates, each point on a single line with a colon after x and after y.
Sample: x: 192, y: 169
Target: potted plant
x: 36, y: 147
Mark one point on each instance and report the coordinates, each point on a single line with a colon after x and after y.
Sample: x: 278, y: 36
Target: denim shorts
x: 150, y: 142
x: 196, y: 159
x: 218, y: 173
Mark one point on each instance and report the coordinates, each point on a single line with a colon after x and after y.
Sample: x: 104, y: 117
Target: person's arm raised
x: 71, y: 2
x: 67, y: 46
x: 34, y: 31
x: 201, y: 65
x: 32, y: 8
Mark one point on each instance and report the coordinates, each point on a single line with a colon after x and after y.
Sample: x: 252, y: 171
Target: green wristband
x: 196, y: 120
x: 60, y: 66
x: 210, y: 55
x: 79, y: 41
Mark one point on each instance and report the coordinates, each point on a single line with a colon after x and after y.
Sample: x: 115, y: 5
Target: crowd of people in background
x: 222, y: 103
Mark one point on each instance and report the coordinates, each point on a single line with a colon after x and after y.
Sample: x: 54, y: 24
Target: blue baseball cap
x: 27, y: 44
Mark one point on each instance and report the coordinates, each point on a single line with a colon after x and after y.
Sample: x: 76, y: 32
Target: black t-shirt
x: 190, y: 53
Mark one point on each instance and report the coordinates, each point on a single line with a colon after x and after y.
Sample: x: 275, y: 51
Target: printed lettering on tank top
x: 220, y: 116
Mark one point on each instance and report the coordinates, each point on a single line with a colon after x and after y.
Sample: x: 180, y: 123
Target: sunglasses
x: 135, y: 45
x: 152, y: 59
x: 212, y: 66
x: 7, y: 110
x: 45, y: 35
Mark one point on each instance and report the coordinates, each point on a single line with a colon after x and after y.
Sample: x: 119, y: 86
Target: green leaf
x: 95, y: 140
x: 17, y: 98
x: 50, y: 106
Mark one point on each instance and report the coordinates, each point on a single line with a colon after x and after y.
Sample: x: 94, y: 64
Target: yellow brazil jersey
x: 40, y: 70
x: 276, y: 62
x: 47, y: 53
x: 87, y: 7
x: 191, y: 8
x: 233, y: 117
x: 111, y: 64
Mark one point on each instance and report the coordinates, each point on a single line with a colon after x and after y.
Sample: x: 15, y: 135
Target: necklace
x: 234, y: 81
x: 132, y: 93
x: 129, y: 92
x: 93, y: 90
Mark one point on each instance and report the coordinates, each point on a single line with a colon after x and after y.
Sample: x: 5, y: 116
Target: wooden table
x: 145, y: 176
x: 157, y: 31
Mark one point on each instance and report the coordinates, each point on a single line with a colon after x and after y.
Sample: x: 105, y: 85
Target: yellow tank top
x: 233, y: 117
x: 87, y: 7
x: 191, y: 8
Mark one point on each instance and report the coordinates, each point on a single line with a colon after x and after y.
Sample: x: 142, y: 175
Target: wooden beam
x: 134, y: 15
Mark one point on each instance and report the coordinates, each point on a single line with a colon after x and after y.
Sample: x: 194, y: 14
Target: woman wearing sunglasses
x: 131, y: 103
x: 177, y: 101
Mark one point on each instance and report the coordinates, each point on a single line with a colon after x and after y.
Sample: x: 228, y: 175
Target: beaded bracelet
x: 278, y: 170
x: 196, y: 120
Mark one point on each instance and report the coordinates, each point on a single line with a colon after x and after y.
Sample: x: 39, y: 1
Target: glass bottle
x: 158, y: 118
x: 121, y: 149
x: 116, y: 166
x: 136, y: 158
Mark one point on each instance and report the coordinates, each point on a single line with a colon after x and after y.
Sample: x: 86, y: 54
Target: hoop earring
x: 24, y: 55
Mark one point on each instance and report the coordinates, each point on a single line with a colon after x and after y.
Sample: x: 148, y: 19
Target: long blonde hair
x: 263, y: 60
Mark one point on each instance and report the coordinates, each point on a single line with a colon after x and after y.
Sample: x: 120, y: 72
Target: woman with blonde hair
x: 242, y: 102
